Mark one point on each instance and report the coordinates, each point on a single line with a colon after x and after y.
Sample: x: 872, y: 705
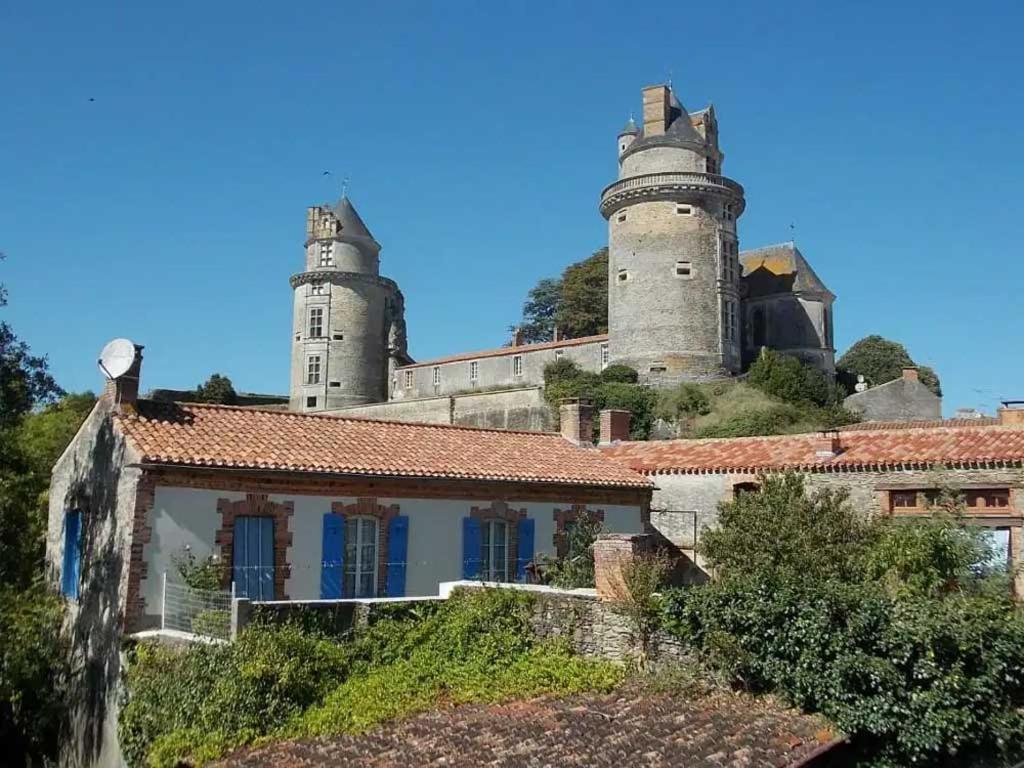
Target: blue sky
x: 171, y: 207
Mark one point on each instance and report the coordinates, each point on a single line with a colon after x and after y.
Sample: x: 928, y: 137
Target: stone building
x: 902, y: 399
x: 683, y: 302
x: 889, y: 469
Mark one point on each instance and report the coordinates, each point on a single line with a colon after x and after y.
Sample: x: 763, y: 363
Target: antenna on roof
x: 116, y: 358
x: 344, y: 186
x: 792, y: 233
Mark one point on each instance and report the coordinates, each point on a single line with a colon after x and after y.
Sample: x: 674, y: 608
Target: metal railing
x: 206, y: 613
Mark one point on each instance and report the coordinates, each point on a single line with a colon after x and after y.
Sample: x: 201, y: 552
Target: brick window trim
x: 138, y: 569
x: 1012, y: 510
x: 563, y: 517
x: 256, y: 505
x: 500, y: 510
x: 368, y: 507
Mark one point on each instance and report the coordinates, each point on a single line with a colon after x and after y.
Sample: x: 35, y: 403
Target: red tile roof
x: 185, y: 434
x: 882, y: 447
x: 511, y: 350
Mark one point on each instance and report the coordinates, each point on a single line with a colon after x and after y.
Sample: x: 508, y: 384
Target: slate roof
x: 351, y: 223
x: 617, y: 730
x: 201, y: 435
x: 778, y: 269
x: 500, y: 351
x: 909, y: 445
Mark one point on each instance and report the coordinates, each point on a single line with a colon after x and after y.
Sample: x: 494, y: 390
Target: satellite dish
x: 117, y: 358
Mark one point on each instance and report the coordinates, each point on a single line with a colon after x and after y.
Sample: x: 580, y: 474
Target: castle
x: 684, y: 303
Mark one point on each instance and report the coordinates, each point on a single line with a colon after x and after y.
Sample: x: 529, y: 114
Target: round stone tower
x: 349, y: 322
x: 673, y: 267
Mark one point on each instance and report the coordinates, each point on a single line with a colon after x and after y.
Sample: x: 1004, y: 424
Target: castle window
x: 338, y: 337
x: 326, y: 255
x: 605, y: 356
x: 437, y: 375
x: 334, y: 384
x: 316, y: 289
x: 621, y: 216
x: 623, y: 275
x: 474, y: 371
x: 657, y: 367
x: 729, y: 320
x: 517, y: 365
x: 311, y: 401
x: 727, y: 212
x: 408, y: 379
x: 684, y: 210
x: 903, y: 499
x: 313, y: 369
x: 316, y: 322
x: 684, y: 269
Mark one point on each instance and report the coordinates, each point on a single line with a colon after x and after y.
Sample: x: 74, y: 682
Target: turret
x: 348, y: 321
x: 627, y: 135
x: 673, y: 293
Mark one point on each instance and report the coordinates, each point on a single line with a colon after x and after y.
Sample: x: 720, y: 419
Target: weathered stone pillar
x: 612, y: 553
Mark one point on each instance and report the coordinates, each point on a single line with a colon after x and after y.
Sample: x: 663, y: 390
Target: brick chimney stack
x: 1011, y: 414
x: 827, y: 445
x: 614, y: 425
x: 124, y: 390
x: 517, y: 337
x: 657, y: 110
x: 577, y: 421
x: 613, y: 553
x: 910, y: 373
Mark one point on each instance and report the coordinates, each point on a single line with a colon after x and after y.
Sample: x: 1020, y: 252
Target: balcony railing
x: 661, y: 183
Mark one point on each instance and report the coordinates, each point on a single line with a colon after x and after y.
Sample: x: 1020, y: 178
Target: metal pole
x: 163, y: 602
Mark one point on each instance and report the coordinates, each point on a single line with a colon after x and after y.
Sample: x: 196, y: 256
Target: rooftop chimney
x: 517, y: 337
x: 656, y: 109
x: 577, y: 421
x: 826, y: 445
x: 124, y: 390
x: 614, y: 425
x: 1011, y: 414
x: 910, y: 373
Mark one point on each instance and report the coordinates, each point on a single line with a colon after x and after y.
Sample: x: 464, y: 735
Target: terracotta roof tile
x: 881, y: 446
x: 511, y: 350
x: 197, y: 435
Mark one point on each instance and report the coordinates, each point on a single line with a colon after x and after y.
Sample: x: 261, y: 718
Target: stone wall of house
x: 523, y: 409
x: 899, y: 400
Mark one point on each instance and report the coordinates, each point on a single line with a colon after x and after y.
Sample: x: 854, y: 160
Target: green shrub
x: 212, y: 622
x: 619, y: 373
x: 638, y: 399
x: 576, y: 568
x: 776, y: 419
x: 685, y: 401
x: 792, y: 380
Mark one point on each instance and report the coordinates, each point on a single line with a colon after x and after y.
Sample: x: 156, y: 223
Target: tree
x: 217, y: 389
x: 538, y: 323
x: 880, y: 360
x: 791, y: 380
x: 583, y: 309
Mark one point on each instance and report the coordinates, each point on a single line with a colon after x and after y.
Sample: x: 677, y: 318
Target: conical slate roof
x: 351, y: 224
x: 630, y: 128
x: 681, y: 125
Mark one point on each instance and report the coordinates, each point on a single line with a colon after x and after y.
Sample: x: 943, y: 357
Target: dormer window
x: 327, y: 254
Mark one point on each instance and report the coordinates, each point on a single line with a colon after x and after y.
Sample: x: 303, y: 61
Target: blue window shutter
x: 265, y: 567
x: 72, y: 571
x: 470, y: 548
x: 398, y: 552
x: 525, y: 547
x: 333, y: 554
x: 239, y: 556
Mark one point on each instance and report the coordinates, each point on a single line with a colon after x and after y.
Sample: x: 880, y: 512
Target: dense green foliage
x: 217, y: 389
x: 576, y: 568
x: 576, y: 303
x: 880, y: 360
x: 888, y: 629
x: 283, y: 682
x: 564, y: 379
x: 792, y: 380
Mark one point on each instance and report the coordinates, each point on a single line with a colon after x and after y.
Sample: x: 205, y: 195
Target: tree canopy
x: 880, y: 360
x: 576, y: 303
x: 217, y: 389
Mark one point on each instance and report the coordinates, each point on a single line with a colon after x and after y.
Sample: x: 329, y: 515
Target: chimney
x: 577, y: 421
x: 656, y: 109
x: 555, y: 336
x: 910, y: 373
x: 1011, y: 414
x: 517, y: 337
x: 124, y: 390
x: 614, y: 425
x: 613, y: 554
x: 826, y: 445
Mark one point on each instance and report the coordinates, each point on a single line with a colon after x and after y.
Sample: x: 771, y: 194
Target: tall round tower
x: 349, y: 322
x: 673, y: 267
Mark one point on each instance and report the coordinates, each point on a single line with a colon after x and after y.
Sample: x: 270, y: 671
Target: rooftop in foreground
x: 219, y: 436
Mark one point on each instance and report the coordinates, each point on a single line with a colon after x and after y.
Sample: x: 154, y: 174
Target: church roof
x: 351, y: 223
x: 778, y: 269
x: 917, y: 445
x: 227, y: 437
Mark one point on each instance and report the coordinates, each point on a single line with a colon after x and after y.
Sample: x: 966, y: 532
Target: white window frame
x: 517, y: 365
x: 436, y: 376
x: 359, y: 567
x: 684, y: 210
x: 408, y: 379
x: 316, y: 288
x: 488, y: 572
x: 327, y: 254
x: 314, y: 369
x: 474, y: 371
x: 687, y: 265
x: 605, y: 356
x: 315, y: 321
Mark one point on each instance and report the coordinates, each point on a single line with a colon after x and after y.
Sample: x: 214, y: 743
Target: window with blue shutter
x: 524, y: 554
x: 253, y: 557
x: 71, y: 572
x: 332, y: 556
x: 398, y: 552
x: 471, y: 548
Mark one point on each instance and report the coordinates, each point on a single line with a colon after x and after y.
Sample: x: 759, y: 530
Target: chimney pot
x: 576, y: 417
x: 827, y: 445
x: 614, y: 425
